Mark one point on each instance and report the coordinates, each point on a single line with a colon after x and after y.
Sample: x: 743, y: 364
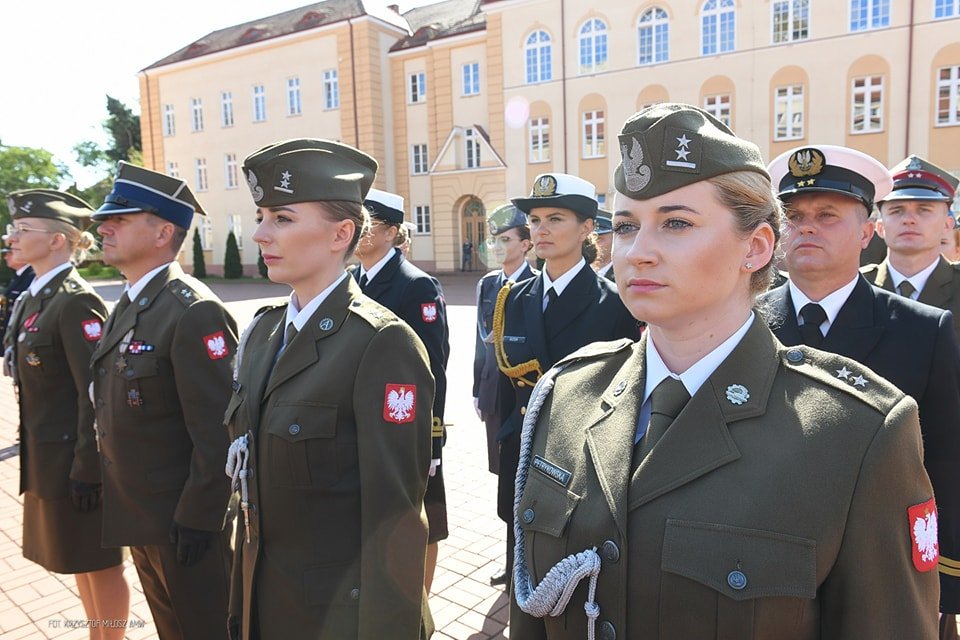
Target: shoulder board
x: 955, y: 265
x: 73, y: 285
x: 188, y: 290
x: 869, y: 269
x: 597, y: 350
x: 373, y: 312
x: 270, y: 307
x: 843, y: 374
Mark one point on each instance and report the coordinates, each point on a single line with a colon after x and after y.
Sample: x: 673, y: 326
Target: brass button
x: 520, y: 383
x: 523, y: 411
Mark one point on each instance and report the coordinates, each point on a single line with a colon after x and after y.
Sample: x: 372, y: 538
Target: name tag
x: 558, y: 474
x: 515, y: 339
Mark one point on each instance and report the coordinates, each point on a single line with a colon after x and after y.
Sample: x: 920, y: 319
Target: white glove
x: 433, y: 466
x: 476, y: 407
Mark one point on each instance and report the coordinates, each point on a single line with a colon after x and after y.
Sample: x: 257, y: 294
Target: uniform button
x: 100, y: 402
x: 235, y: 386
x: 607, y: 631
x: 293, y: 429
x: 528, y: 516
x: 128, y: 373
x: 520, y: 383
x: 523, y: 411
x: 737, y: 580
x: 795, y: 356
x: 65, y: 437
x: 102, y: 371
x: 106, y: 461
x: 610, y: 551
x: 355, y: 593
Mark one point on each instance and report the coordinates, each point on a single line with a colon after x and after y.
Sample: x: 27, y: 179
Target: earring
x: 749, y: 265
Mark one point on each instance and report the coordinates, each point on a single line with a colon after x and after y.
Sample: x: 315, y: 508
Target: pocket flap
x: 545, y: 507
x: 140, y: 366
x: 235, y: 401
x: 298, y: 421
x: 741, y: 563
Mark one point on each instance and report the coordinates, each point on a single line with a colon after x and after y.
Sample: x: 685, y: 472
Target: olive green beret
x: 504, y: 218
x: 50, y: 204
x: 670, y: 145
x: 308, y: 170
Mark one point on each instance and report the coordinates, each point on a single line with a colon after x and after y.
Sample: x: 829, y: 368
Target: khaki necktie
x: 289, y: 334
x: 122, y: 304
x: 666, y: 402
x: 906, y: 289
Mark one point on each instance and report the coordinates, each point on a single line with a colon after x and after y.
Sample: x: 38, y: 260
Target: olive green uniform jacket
x: 162, y: 375
x: 331, y: 543
x: 803, y: 488
x: 941, y: 290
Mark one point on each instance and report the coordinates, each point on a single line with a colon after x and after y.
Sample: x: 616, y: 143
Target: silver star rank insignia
x: 844, y: 373
x: 859, y: 381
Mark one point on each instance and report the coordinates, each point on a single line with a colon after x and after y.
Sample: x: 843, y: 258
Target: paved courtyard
x: 37, y: 604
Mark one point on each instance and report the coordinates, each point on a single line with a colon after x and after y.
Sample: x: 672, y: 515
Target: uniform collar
x: 133, y: 290
x: 41, y: 281
x: 22, y: 269
x: 299, y: 316
x: 918, y: 280
x: 561, y: 283
x: 513, y: 277
x: 375, y: 269
x: 831, y: 304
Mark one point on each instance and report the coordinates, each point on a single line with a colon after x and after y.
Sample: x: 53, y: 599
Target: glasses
x: 503, y: 241
x: 13, y: 232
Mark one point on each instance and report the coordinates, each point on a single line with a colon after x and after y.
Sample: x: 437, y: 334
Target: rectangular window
x: 472, y: 148
x: 196, y: 111
x: 593, y: 135
x: 946, y: 8
x: 173, y: 170
x: 719, y: 107
x: 867, y: 108
x: 226, y: 109
x: 789, y: 113
x: 230, y: 170
x: 205, y: 225
x: 539, y: 140
x: 294, y: 107
x: 869, y: 14
x: 259, y: 103
x: 200, y: 164
x: 791, y: 20
x: 421, y: 214
x: 471, y: 79
x: 331, y: 89
x: 948, y: 96
x: 418, y: 156
x: 601, y: 200
x: 418, y: 88
x: 234, y: 224
x: 169, y: 125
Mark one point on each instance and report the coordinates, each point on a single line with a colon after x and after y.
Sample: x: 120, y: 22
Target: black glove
x: 191, y: 543
x: 84, y: 496
x: 233, y: 627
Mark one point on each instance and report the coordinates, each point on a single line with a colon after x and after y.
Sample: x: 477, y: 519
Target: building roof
x: 441, y: 20
x: 307, y: 17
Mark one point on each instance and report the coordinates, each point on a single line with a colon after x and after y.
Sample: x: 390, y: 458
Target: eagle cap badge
x: 806, y: 162
x: 636, y: 174
x: 400, y: 403
x: 255, y: 189
x: 545, y: 187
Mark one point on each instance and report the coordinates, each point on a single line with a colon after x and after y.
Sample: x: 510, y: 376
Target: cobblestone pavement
x: 35, y: 603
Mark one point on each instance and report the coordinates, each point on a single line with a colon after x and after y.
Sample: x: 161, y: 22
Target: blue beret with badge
x: 140, y: 190
x: 830, y: 168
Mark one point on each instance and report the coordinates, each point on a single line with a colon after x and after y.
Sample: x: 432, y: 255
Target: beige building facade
x: 464, y: 102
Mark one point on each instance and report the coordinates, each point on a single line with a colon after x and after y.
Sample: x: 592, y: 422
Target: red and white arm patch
x: 216, y: 345
x: 400, y: 403
x: 428, y: 310
x: 92, y: 329
x: 925, y: 548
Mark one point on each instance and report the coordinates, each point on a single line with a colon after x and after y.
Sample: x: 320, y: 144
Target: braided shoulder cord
x: 511, y: 371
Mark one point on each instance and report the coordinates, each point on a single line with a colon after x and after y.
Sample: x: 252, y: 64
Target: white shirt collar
x: 22, y: 269
x: 299, y: 316
x: 831, y: 304
x: 133, y: 289
x: 513, y: 277
x: 375, y: 269
x: 40, y: 281
x: 561, y: 283
x: 604, y: 270
x: 919, y: 281
x: 694, y: 377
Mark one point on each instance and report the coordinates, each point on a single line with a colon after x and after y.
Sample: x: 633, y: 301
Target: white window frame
x: 949, y: 9
x: 200, y: 174
x: 796, y: 11
x: 720, y: 106
x: 173, y: 169
x: 540, y: 45
x: 259, y: 103
x: 717, y: 12
x: 421, y: 217
x: 230, y: 171
x: 950, y: 85
x: 205, y: 224
x: 169, y: 121
x: 417, y: 88
x: 863, y: 95
x: 419, y: 161
x: 788, y: 100
x: 653, y: 20
x: 294, y: 102
x: 331, y: 89
x: 594, y: 134
x: 470, y: 73
x: 196, y: 115
x: 538, y: 140
x: 235, y: 224
x: 872, y: 21
x: 226, y: 108
x: 592, y: 41
x: 471, y: 148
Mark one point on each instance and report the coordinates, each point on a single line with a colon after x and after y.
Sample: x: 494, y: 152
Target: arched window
x: 653, y: 36
x: 718, y: 21
x: 593, y: 46
x: 538, y: 57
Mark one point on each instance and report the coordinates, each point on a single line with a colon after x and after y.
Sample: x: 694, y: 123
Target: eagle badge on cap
x: 806, y: 162
x: 636, y: 174
x: 915, y: 164
x: 544, y: 187
x: 255, y: 190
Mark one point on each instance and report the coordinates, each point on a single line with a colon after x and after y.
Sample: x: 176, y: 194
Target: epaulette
x: 72, y: 285
x: 188, y: 290
x: 376, y: 315
x: 869, y: 269
x: 955, y: 265
x: 843, y: 374
x: 270, y: 307
x: 596, y: 350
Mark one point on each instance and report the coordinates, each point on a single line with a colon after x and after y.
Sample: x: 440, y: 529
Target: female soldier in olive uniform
x: 57, y: 324
x: 332, y: 406
x: 543, y: 319
x: 708, y: 482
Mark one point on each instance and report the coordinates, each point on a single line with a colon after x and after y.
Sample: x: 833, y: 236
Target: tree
x: 232, y: 267
x: 261, y: 265
x: 123, y: 131
x: 199, y: 264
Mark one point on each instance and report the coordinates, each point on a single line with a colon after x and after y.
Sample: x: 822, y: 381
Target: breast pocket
x: 142, y: 381
x: 301, y: 450
x: 732, y: 580
x: 39, y: 354
x: 544, y: 512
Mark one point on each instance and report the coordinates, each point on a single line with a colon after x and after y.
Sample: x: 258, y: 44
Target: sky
x: 59, y: 59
